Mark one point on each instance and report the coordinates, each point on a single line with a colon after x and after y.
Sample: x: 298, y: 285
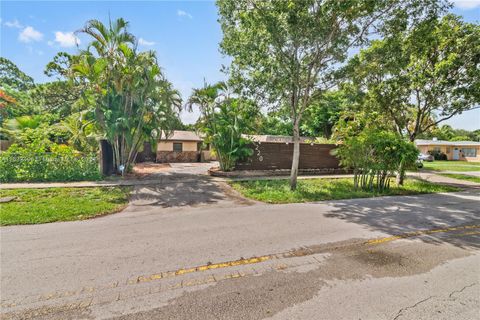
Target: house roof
x: 180, y: 135
x: 277, y: 139
x: 446, y: 143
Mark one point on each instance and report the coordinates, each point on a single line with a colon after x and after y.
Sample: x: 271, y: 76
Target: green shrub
x: 223, y: 126
x: 32, y: 163
x: 438, y: 155
x: 375, y: 155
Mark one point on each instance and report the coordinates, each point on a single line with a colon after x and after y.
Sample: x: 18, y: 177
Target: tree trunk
x: 401, y: 168
x: 401, y: 174
x: 116, y: 153
x: 296, y: 155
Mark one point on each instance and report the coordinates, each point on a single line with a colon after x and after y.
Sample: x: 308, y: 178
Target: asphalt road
x: 198, y: 251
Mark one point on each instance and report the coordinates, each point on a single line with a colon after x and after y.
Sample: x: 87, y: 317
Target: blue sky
x: 185, y: 35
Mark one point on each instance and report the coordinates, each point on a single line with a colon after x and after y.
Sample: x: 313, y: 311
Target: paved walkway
x: 187, y: 173
x: 79, y: 184
x: 436, y: 178
x: 467, y: 173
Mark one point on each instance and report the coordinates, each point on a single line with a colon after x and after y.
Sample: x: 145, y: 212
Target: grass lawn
x: 278, y: 191
x: 33, y: 206
x: 452, y: 166
x: 461, y: 177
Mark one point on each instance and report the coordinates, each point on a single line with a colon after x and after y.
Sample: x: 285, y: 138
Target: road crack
x: 461, y: 290
x: 399, y: 313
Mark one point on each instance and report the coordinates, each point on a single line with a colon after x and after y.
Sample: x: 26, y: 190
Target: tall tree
x: 421, y: 76
x: 132, y: 99
x: 276, y: 123
x: 15, y: 91
x: 285, y: 51
x: 13, y: 77
x: 323, y: 113
x: 63, y: 95
x: 60, y: 97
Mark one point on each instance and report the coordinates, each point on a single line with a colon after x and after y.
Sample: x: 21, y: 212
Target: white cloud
x: 29, y: 34
x: 65, y: 39
x: 182, y: 13
x: 13, y: 24
x: 144, y: 42
x: 466, y: 4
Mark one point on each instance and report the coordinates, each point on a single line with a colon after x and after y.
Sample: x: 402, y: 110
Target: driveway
x: 183, y: 184
x: 235, y: 261
x: 151, y: 170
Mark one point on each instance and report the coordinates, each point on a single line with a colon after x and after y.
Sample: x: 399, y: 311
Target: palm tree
x: 107, y: 41
x: 223, y: 120
x: 204, y: 98
x: 11, y: 128
x: 131, y: 96
x: 82, y: 134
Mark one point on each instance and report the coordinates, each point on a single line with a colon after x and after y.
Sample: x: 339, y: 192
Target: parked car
x: 425, y: 157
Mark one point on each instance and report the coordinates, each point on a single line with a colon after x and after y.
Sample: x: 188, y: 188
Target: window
x: 436, y: 149
x: 448, y: 149
x: 177, y: 147
x: 470, y: 152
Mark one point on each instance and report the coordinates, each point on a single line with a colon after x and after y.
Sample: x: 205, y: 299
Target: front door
x: 456, y: 154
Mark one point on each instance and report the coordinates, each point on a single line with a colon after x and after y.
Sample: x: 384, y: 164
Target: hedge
x: 22, y: 165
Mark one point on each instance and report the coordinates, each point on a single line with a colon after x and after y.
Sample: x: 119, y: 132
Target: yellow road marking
x: 253, y: 260
x: 419, y: 233
x: 468, y: 233
x: 205, y: 267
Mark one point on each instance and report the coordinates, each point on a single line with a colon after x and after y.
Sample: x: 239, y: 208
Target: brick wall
x: 268, y: 156
x: 172, y: 156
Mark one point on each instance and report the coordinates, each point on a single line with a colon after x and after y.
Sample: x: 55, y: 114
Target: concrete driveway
x: 229, y: 260
x: 151, y: 170
x: 184, y: 184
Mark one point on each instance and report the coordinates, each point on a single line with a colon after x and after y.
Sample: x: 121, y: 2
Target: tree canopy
x: 224, y: 120
x: 130, y: 97
x: 284, y: 52
x: 13, y: 77
x: 422, y: 76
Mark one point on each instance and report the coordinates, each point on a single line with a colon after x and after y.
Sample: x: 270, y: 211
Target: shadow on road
x: 400, y: 215
x: 180, y: 189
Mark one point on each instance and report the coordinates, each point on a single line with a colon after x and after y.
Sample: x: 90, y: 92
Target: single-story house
x: 183, y: 146
x: 455, y: 150
x: 269, y: 152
